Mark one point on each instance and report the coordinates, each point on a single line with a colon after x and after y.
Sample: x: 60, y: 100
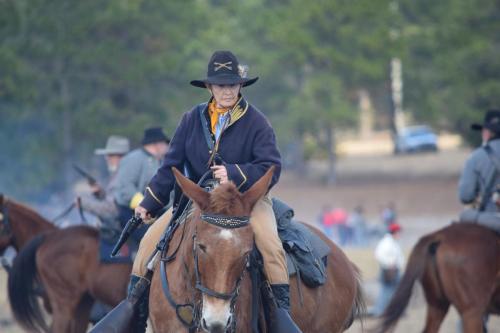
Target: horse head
x: 19, y: 223
x: 222, y: 242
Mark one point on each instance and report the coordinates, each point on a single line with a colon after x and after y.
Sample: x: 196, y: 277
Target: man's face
x: 486, y: 134
x: 161, y: 149
x: 225, y: 95
x: 112, y: 161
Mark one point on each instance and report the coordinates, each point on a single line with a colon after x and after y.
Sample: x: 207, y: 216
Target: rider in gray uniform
x: 480, y: 180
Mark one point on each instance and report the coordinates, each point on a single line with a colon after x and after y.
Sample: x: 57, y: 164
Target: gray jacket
x: 476, y: 173
x: 134, y: 173
x: 104, y: 208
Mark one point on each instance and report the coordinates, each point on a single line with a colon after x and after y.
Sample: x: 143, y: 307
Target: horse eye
x: 202, y: 247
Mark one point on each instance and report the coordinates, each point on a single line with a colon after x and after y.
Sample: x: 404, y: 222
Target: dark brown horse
x: 222, y: 254
x: 66, y: 263
x: 458, y: 265
x: 19, y: 224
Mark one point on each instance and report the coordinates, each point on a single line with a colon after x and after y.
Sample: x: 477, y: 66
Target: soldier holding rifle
x: 101, y: 202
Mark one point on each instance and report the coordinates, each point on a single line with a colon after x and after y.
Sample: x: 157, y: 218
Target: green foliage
x: 72, y: 73
x: 451, y: 60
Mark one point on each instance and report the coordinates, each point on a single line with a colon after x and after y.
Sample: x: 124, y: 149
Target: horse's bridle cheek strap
x: 232, y: 296
x: 210, y: 292
x: 4, y: 221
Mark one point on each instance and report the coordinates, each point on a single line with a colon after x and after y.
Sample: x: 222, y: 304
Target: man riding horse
x: 235, y: 140
x: 480, y: 181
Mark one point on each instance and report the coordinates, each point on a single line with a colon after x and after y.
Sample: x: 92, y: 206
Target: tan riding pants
x: 265, y: 231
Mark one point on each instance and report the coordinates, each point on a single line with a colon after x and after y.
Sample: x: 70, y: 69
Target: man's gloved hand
x: 220, y: 173
x: 143, y: 214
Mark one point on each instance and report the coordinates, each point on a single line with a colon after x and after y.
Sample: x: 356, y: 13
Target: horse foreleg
x: 82, y: 314
x: 472, y: 321
x: 435, y: 316
x: 61, y: 321
x: 72, y: 319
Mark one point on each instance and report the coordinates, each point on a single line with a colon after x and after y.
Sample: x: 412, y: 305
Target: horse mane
x: 27, y: 212
x: 226, y: 199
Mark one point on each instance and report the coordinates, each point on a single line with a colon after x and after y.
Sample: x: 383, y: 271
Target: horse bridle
x: 4, y: 219
x: 195, y: 312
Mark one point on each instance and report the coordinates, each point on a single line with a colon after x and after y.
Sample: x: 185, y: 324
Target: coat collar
x: 238, y: 111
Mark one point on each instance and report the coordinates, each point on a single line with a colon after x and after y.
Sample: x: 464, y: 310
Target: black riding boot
x: 283, y: 322
x: 140, y: 321
x: 131, y: 313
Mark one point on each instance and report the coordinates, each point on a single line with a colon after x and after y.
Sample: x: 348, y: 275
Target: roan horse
x: 220, y: 255
x: 457, y: 265
x: 65, y: 262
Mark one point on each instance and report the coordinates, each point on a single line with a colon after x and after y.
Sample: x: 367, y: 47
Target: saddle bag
x: 309, y: 266
x: 312, y: 270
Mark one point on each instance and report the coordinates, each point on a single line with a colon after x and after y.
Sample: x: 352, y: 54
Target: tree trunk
x: 330, y: 147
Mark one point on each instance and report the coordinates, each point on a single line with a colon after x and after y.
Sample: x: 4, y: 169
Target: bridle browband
x: 220, y: 221
x: 226, y: 222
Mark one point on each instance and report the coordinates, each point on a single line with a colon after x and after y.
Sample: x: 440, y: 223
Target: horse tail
x: 22, y: 288
x: 423, y: 250
x: 358, y: 309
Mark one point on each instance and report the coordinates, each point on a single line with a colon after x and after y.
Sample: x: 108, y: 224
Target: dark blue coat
x: 247, y: 146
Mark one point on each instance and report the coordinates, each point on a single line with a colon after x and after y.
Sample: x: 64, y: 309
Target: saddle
x: 306, y: 252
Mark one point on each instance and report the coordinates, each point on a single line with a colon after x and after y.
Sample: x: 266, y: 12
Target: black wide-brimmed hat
x: 491, y: 122
x: 153, y: 135
x: 224, y: 68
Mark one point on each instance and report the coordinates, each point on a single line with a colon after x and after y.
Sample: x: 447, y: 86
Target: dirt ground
x: 423, y: 188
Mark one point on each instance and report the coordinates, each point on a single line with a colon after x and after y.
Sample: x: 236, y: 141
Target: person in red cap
x: 391, y: 260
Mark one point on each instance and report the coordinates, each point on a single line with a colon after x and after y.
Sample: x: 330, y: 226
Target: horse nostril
x: 204, y: 323
x: 229, y: 321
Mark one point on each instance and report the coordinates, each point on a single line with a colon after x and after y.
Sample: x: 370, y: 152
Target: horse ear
x: 259, y: 189
x: 192, y: 190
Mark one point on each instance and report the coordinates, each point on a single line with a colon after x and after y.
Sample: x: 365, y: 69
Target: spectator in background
x: 357, y: 224
x: 335, y: 225
x: 389, y: 215
x: 340, y: 225
x: 325, y: 220
x: 391, y: 260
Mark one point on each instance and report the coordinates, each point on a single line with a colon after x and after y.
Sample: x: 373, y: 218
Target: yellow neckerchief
x: 214, y: 113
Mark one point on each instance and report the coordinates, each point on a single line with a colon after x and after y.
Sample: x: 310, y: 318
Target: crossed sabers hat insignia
x: 226, y: 65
